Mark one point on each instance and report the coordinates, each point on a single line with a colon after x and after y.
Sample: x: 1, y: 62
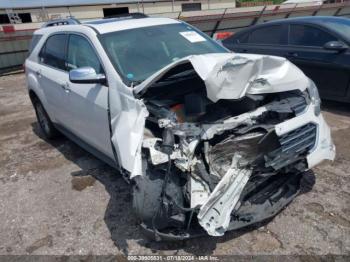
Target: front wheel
x: 46, y: 126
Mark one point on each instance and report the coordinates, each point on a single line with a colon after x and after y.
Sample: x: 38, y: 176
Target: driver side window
x: 81, y: 54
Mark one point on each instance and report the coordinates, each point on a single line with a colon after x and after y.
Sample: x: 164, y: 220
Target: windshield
x: 342, y: 27
x: 138, y: 53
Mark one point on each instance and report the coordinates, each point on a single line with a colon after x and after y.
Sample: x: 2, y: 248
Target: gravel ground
x: 57, y: 199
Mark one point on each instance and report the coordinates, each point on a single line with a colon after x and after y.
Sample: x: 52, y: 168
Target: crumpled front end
x: 212, y: 161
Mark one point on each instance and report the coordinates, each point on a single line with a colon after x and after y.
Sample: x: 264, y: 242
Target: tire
x: 146, y: 195
x: 47, y: 128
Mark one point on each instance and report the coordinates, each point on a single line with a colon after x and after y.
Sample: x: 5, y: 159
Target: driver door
x: 87, y: 102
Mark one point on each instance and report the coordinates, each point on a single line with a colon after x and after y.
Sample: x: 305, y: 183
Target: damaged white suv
x: 211, y: 141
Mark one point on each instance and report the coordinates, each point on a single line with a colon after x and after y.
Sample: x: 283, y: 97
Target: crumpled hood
x: 233, y: 75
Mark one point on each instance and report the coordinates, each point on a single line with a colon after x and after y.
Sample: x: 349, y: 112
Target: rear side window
x: 81, y: 54
x: 54, y: 51
x: 270, y: 35
x: 33, y: 43
x: 308, y: 36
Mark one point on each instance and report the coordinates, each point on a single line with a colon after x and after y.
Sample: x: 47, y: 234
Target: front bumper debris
x: 233, y: 134
x: 275, y: 158
x: 261, y: 200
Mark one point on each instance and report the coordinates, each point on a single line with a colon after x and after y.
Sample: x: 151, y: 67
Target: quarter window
x: 308, y: 36
x: 270, y: 35
x: 81, y: 54
x: 34, y: 42
x: 53, y: 52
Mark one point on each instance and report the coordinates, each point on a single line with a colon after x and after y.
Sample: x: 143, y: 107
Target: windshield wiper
x: 135, y: 83
x: 181, y: 74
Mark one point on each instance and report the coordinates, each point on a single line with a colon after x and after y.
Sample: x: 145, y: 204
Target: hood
x: 233, y: 75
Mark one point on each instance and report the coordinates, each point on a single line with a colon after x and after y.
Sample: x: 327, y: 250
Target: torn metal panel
x: 232, y: 76
x: 207, y: 131
x: 128, y: 116
x: 215, y: 214
x: 199, y: 190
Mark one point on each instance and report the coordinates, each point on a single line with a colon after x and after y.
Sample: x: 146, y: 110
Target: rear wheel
x: 46, y: 126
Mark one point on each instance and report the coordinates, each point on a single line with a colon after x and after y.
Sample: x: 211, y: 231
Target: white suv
x: 210, y: 140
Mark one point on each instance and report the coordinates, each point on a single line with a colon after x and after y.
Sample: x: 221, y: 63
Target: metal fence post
x: 287, y: 15
x: 316, y: 11
x: 256, y: 19
x: 338, y: 11
x: 218, y: 23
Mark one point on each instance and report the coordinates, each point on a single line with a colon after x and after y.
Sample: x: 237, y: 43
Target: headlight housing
x: 314, y: 97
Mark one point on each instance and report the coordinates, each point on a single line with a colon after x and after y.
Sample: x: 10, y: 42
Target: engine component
x: 168, y: 141
x: 221, y: 154
x: 194, y: 105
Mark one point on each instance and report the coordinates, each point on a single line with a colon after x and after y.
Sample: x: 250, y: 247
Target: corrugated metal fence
x: 14, y: 45
x: 13, y: 49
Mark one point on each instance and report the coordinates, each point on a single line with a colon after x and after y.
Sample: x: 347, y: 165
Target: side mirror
x: 336, y: 46
x: 86, y: 75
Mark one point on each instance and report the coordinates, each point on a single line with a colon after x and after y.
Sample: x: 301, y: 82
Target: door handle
x: 65, y: 87
x: 38, y: 73
x: 292, y: 54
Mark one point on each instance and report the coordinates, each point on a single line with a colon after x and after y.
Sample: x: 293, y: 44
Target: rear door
x: 52, y: 76
x: 87, y: 103
x: 269, y: 40
x: 329, y: 69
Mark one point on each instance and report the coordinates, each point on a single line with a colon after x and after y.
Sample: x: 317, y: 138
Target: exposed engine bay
x: 213, y: 161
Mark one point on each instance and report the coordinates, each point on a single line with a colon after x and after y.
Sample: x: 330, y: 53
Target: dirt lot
x: 55, y: 198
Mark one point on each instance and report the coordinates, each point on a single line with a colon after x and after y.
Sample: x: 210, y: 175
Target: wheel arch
x: 36, y: 95
x: 33, y: 96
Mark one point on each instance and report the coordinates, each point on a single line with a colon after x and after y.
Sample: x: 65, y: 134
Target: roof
x: 124, y: 24
x: 111, y: 26
x: 49, y: 3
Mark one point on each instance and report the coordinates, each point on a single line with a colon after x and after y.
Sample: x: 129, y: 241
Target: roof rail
x: 128, y: 15
x: 65, y: 21
x: 116, y: 18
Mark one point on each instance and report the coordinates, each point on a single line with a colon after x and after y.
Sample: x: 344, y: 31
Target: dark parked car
x: 317, y: 45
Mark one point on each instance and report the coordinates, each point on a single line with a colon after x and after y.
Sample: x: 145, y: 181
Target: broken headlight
x: 314, y: 97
